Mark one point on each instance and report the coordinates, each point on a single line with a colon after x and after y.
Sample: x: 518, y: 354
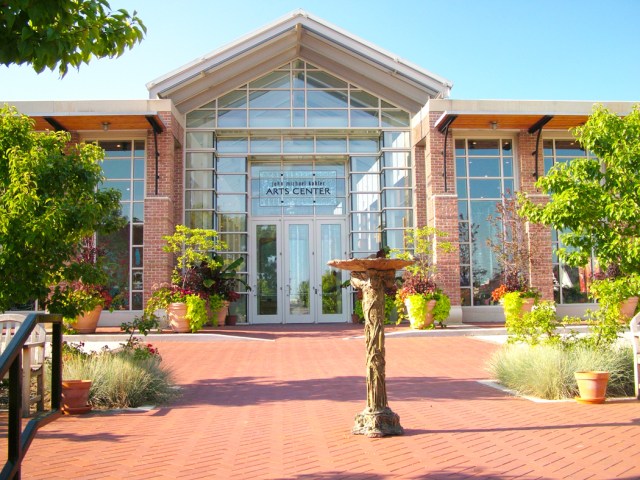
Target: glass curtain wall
x: 124, y: 169
x: 484, y: 173
x: 570, y: 284
x: 299, y: 117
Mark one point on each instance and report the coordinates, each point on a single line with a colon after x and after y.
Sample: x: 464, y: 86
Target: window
x: 570, y: 284
x: 484, y: 172
x: 124, y: 169
x: 297, y: 94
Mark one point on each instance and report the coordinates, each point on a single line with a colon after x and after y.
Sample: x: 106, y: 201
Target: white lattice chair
x: 33, y: 355
x: 635, y: 339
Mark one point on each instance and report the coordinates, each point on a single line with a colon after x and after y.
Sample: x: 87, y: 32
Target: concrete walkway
x: 278, y: 402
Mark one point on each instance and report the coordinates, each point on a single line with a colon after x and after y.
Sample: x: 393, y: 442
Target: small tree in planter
x: 217, y: 281
x: 513, y: 252
x: 419, y: 295
x: 192, y: 246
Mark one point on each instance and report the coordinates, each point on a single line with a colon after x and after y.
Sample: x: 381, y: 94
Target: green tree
x: 61, y: 33
x: 595, y: 202
x: 50, y: 201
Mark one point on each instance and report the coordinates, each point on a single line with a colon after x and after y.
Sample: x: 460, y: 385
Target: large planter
x: 177, y: 313
x: 515, y: 306
x: 592, y: 386
x: 222, y: 313
x: 414, y: 309
x: 527, y: 304
x: 88, y: 321
x: 75, y: 396
x: 628, y: 309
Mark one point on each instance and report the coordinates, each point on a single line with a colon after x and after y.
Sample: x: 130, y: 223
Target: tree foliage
x: 50, y: 201
x: 61, y: 33
x: 595, y: 202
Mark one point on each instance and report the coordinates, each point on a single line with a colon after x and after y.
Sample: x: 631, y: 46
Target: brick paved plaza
x: 278, y: 402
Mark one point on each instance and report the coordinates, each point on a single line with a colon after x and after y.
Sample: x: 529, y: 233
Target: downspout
x: 157, y: 128
x: 157, y: 175
x: 537, y: 127
x: 444, y: 158
x: 444, y: 128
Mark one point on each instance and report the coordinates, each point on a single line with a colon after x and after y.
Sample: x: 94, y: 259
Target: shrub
x: 120, y: 379
x: 546, y: 371
x: 537, y: 326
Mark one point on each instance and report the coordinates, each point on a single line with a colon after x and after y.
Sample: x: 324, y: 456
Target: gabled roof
x: 300, y: 35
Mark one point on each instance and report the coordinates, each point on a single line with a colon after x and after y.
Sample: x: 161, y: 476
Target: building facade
x: 301, y: 143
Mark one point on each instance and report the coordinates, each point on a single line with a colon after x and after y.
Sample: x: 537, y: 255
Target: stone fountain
x: 371, y: 276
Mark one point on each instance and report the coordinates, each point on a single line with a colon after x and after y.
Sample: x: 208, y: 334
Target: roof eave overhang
x: 531, y: 116
x: 99, y: 115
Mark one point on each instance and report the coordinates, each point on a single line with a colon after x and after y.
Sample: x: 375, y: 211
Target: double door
x: 290, y: 279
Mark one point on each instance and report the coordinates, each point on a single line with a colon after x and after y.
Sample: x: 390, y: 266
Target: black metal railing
x: 11, y: 361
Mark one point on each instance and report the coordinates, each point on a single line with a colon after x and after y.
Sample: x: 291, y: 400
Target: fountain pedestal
x: 371, y: 276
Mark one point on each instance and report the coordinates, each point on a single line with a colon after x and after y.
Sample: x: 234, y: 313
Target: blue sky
x: 490, y: 49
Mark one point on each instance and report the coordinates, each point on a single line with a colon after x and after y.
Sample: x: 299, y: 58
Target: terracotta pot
x: 88, y: 321
x: 75, y: 396
x: 628, y: 308
x: 232, y: 320
x: 421, y: 323
x: 527, y: 304
x: 222, y: 313
x: 177, y: 313
x: 592, y: 386
x: 355, y: 318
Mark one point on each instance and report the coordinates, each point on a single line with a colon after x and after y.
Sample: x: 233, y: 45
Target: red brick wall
x: 436, y: 205
x: 159, y: 221
x: 541, y: 267
x: 162, y: 211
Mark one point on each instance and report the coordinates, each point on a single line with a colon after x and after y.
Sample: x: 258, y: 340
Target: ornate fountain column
x: 372, y: 276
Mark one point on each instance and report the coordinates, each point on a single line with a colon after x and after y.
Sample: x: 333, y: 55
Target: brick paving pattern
x: 282, y: 406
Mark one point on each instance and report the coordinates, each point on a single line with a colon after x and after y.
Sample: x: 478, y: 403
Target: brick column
x: 158, y: 216
x: 436, y: 204
x: 540, y: 266
x: 164, y: 209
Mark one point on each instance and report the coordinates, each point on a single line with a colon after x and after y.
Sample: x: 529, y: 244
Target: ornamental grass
x: 547, y: 371
x: 121, y: 379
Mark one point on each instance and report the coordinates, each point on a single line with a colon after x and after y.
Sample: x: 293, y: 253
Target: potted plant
x: 516, y: 302
x: 513, y: 253
x: 419, y: 296
x: 186, y: 308
x: 217, y: 282
x: 613, y: 290
x: 592, y: 386
x: 81, y: 292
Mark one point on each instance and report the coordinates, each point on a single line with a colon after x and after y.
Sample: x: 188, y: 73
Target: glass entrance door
x: 332, y: 298
x: 300, y: 291
x: 292, y: 282
x: 266, y: 301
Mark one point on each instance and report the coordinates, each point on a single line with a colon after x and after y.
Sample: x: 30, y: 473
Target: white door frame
x: 277, y: 316
x: 284, y: 313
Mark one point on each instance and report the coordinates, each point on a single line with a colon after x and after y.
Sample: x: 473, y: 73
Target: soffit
x: 300, y: 35
x: 503, y: 121
x: 96, y: 122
